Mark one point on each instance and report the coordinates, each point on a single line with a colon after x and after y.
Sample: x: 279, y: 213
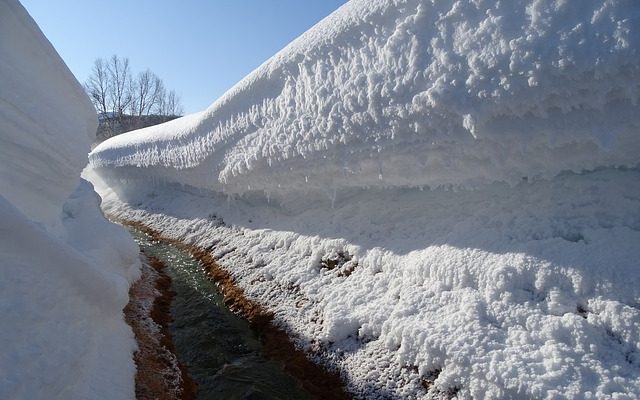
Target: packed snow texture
x: 65, y: 269
x: 514, y: 275
x: 409, y: 93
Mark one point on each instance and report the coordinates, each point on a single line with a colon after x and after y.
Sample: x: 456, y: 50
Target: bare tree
x: 114, y: 92
x: 120, y: 85
x: 169, y: 104
x: 97, y: 86
x: 145, y: 93
x: 158, y: 93
x: 161, y: 102
x: 173, y: 108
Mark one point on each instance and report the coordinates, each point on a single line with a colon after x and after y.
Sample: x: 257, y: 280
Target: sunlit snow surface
x: 64, y: 269
x: 514, y: 273
x: 385, y: 93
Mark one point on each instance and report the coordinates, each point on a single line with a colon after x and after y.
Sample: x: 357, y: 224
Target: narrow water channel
x: 222, y: 353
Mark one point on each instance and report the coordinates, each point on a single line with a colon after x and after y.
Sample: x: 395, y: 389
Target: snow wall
x: 412, y: 93
x: 65, y: 270
x: 44, y: 139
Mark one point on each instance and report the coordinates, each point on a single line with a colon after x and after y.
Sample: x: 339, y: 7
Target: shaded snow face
x: 64, y: 270
x: 46, y: 120
x: 410, y: 93
x: 61, y: 301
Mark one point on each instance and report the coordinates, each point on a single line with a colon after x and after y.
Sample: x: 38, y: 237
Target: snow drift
x: 410, y: 93
x: 514, y: 275
x: 65, y: 270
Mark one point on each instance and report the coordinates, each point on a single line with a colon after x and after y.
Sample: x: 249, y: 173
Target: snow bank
x: 65, y: 270
x: 530, y: 291
x: 411, y: 93
x: 61, y: 301
x: 46, y: 120
x: 514, y: 276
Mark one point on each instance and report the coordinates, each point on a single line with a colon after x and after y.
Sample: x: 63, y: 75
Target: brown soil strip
x: 320, y: 383
x: 159, y: 374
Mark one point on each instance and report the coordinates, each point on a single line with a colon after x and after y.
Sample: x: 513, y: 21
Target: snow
x: 512, y: 292
x: 65, y: 269
x: 434, y: 198
x: 47, y: 121
x: 63, y: 331
x: 410, y: 93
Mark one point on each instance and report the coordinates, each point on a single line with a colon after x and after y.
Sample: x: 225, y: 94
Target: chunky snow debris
x: 65, y: 270
x: 514, y: 276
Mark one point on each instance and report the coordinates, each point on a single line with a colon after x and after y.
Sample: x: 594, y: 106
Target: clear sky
x: 200, y: 48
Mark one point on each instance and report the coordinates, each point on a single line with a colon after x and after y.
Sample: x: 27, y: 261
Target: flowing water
x: 222, y: 354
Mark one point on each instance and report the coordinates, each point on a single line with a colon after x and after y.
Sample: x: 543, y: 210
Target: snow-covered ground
x: 65, y: 270
x: 434, y: 197
x: 526, y: 291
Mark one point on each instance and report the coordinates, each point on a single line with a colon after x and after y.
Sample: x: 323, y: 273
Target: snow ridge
x: 412, y: 93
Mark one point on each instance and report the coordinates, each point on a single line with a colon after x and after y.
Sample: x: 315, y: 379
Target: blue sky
x: 199, y: 48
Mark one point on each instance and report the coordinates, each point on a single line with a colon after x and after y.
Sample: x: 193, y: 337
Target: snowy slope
x: 65, y: 270
x: 513, y: 275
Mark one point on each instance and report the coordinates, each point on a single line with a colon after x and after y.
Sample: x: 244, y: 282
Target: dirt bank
x: 159, y: 374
